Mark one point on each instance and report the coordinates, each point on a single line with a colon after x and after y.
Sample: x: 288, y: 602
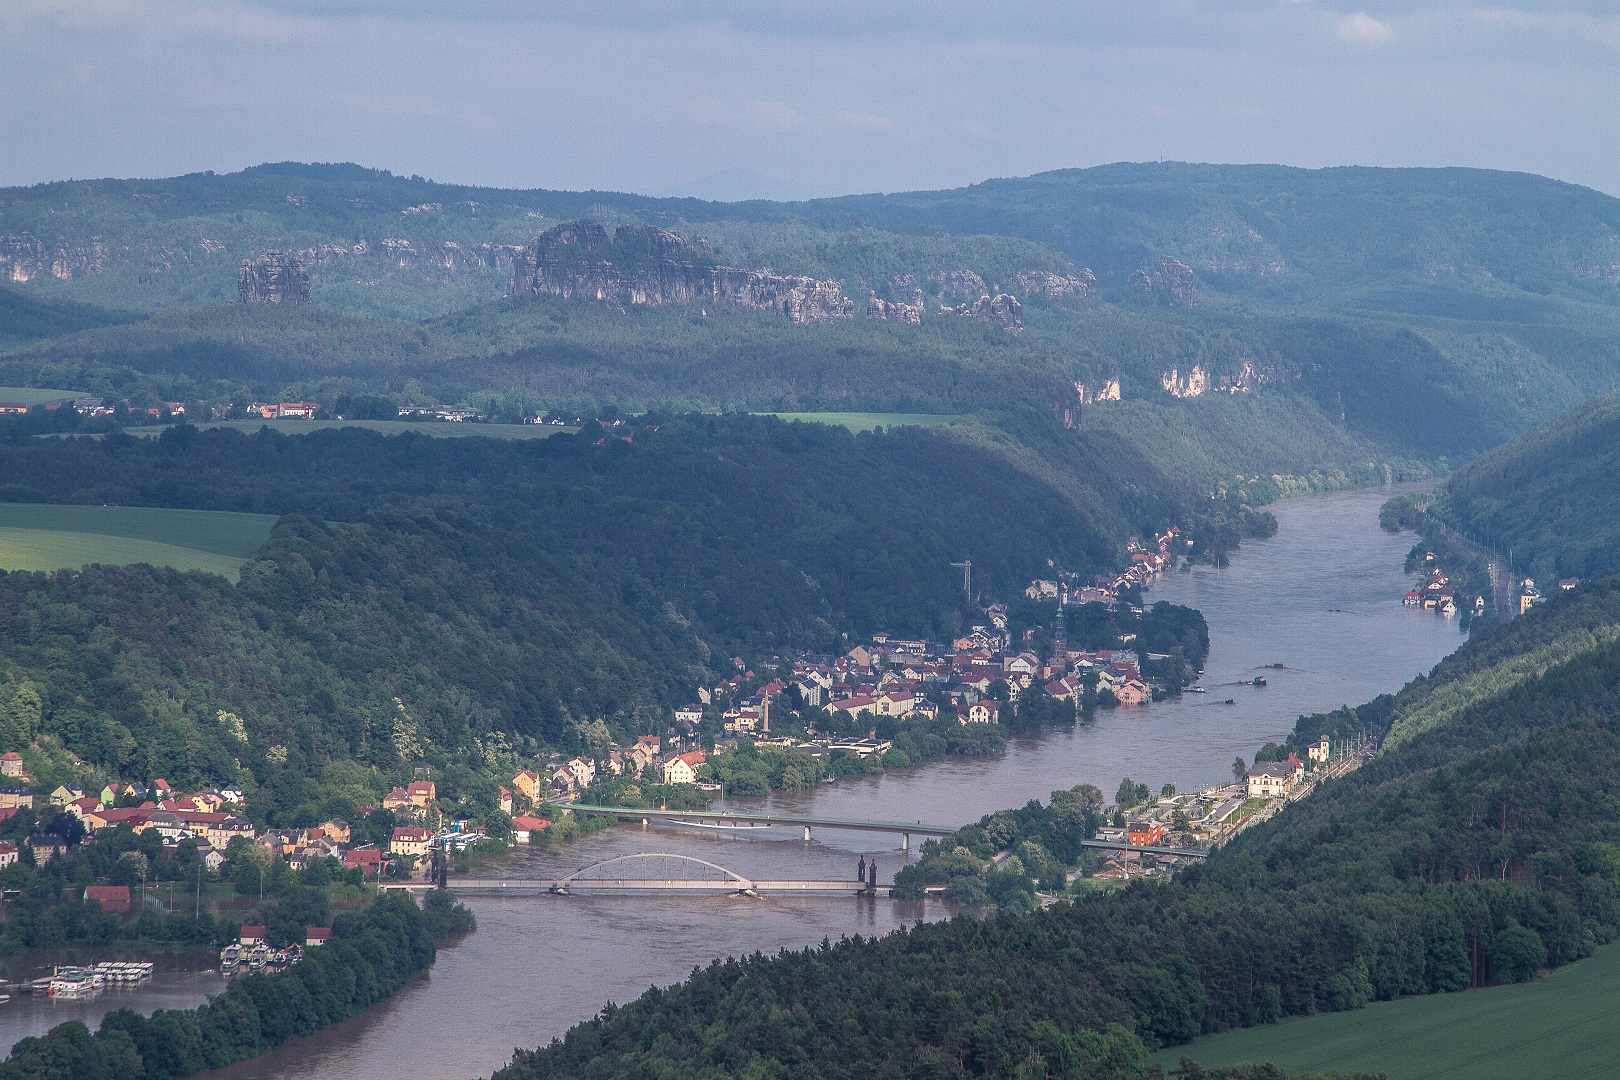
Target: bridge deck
x: 520, y: 887
x: 745, y: 817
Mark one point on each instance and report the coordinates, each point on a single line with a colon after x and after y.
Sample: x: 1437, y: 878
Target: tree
x: 1239, y: 770
x: 1168, y: 791
x: 1125, y: 797
x: 1517, y: 953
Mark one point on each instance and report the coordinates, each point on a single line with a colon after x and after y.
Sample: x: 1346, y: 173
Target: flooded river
x: 1322, y: 598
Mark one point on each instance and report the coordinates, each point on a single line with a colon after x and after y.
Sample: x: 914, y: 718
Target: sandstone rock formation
x: 1056, y: 286
x: 1103, y: 390
x: 641, y: 264
x: 276, y: 277
x: 1170, y: 282
x: 909, y: 314
x: 1193, y: 384
x: 1001, y: 309
x: 1198, y: 381
x: 954, y: 283
x: 24, y: 257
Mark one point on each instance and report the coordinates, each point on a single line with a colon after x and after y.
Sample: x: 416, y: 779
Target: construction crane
x: 966, y: 567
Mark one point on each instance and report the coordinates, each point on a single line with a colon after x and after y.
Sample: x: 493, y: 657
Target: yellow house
x: 528, y: 784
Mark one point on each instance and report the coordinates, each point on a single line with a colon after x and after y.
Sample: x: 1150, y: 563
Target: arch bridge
x: 657, y: 872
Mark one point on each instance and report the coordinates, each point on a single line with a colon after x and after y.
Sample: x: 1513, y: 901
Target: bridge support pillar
x: 905, y: 841
x: 807, y: 832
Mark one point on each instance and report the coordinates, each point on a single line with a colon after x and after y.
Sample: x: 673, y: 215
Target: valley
x: 397, y: 515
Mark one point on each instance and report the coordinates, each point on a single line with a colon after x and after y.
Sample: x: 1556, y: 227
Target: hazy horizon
x: 722, y: 99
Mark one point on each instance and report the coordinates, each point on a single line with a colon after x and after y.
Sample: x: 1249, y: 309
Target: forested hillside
x: 1479, y: 851
x: 1552, y: 496
x: 458, y: 600
x: 1252, y: 320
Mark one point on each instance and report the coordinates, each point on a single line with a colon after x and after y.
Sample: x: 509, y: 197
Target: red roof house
x: 114, y: 899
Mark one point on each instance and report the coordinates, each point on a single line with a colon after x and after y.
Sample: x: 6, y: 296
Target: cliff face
x: 276, y: 277
x: 24, y: 257
x: 646, y: 265
x: 1170, y: 282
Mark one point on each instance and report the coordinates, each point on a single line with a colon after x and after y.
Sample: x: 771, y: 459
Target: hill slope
x: 1552, y: 496
x: 1470, y: 856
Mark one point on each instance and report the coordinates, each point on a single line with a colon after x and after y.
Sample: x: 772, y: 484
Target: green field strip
x: 44, y: 549
x: 1564, y: 1027
x: 33, y: 395
x: 439, y: 429
x: 207, y: 532
x: 858, y: 422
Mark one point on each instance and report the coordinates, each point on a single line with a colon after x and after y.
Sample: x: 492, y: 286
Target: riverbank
x: 1322, y: 596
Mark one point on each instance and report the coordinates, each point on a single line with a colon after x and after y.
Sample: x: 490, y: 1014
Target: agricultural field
x: 1559, y: 1027
x: 49, y: 537
x: 31, y: 395
x: 438, y: 428
x: 858, y: 422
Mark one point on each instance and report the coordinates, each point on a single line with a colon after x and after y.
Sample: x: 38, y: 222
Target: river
x: 1322, y: 597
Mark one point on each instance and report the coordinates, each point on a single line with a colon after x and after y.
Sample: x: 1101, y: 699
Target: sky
x: 734, y: 98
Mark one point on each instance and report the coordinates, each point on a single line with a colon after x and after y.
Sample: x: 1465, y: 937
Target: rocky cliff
x: 1170, y: 282
x: 276, y: 277
x: 639, y: 264
x: 24, y: 257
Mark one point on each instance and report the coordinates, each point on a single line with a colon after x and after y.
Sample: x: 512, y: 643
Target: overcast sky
x: 795, y: 98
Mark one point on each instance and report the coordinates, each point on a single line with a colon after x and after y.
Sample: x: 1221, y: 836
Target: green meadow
x: 859, y: 421
x: 30, y: 395
x: 36, y: 536
x: 1563, y: 1026
x: 438, y: 428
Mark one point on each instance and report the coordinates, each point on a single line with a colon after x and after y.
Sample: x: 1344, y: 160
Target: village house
x: 113, y: 899
x: 398, y: 799
x: 1319, y: 750
x: 528, y: 784
x: 523, y: 826
x: 1142, y: 833
x: 421, y: 792
x: 895, y: 703
x: 410, y: 840
x: 682, y: 768
x: 316, y: 936
x: 66, y: 793
x: 45, y: 846
x: 11, y: 763
x: 1269, y: 779
x: 504, y: 800
x: 12, y: 798
x: 337, y: 830
x: 367, y: 860
x: 251, y: 936
x: 584, y: 771
x: 980, y: 712
x: 9, y: 854
x: 689, y: 714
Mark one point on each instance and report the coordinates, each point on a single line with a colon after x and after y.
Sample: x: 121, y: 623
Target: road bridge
x: 1147, y: 849
x: 744, y: 820
x: 634, y: 873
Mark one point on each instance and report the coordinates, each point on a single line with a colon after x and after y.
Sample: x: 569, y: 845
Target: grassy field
x: 42, y: 537
x: 861, y: 421
x: 1562, y: 1027
x: 30, y: 395
x: 443, y: 429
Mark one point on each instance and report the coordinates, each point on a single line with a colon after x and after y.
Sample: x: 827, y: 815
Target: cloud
x: 867, y: 121
x: 1360, y: 28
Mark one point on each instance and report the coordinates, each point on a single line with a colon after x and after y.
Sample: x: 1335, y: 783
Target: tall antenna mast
x: 966, y: 567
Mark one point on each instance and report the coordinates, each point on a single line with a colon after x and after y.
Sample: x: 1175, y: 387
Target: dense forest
x: 473, y: 600
x: 1480, y: 853
x: 1550, y: 497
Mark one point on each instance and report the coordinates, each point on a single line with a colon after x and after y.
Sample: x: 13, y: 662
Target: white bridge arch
x: 587, y: 876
